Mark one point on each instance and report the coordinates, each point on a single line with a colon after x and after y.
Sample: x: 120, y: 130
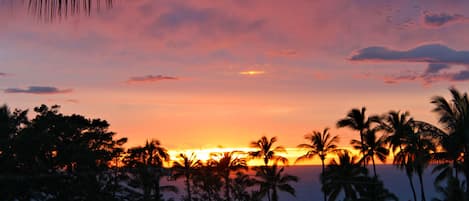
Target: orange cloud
x: 150, y: 78
x: 252, y: 72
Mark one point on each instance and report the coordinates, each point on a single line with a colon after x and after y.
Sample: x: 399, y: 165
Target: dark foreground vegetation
x: 70, y: 157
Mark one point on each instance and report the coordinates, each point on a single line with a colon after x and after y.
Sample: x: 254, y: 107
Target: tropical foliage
x: 52, y: 156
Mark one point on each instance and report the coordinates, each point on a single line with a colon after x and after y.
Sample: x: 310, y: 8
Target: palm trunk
x: 322, y: 176
x: 274, y: 194
x: 268, y: 195
x: 466, y: 168
x: 409, y: 176
x: 422, y: 189
x: 362, y: 148
x: 188, y: 187
x: 227, y: 187
x: 374, y: 165
x: 157, y: 188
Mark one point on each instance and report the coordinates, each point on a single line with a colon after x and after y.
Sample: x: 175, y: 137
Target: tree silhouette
x: 346, y: 175
x: 207, y: 183
x: 227, y: 163
x: 186, y: 167
x: 356, y: 120
x: 146, y: 164
x: 319, y: 144
x: 50, y: 10
x: 453, y: 191
x: 266, y: 151
x: 454, y: 116
x: 272, y: 179
x: 372, y: 147
x: 240, y: 185
x: 400, y: 126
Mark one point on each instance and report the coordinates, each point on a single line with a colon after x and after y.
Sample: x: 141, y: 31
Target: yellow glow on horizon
x: 291, y: 154
x: 252, y: 72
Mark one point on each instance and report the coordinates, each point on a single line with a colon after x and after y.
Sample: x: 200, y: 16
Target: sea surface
x: 308, y: 187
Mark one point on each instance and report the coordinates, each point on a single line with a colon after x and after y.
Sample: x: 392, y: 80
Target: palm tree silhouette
x: 454, y: 116
x: 319, y: 144
x: 400, y: 125
x: 346, y: 175
x: 49, y: 10
x: 415, y: 156
x: 240, y: 185
x: 272, y: 179
x: 453, y: 191
x: 148, y: 161
x: 207, y: 183
x: 186, y: 167
x: 372, y: 147
x: 229, y: 162
x: 356, y: 120
x: 266, y: 151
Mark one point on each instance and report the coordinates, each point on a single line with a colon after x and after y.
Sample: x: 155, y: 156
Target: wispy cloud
x: 2, y: 74
x: 149, y: 79
x: 38, y: 90
x: 441, y: 19
x: 282, y: 53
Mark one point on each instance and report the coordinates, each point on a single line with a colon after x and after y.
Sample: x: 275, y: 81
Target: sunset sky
x: 204, y: 74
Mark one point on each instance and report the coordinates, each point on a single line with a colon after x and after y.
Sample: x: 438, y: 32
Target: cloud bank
x: 441, y: 61
x: 430, y: 53
x: 41, y: 90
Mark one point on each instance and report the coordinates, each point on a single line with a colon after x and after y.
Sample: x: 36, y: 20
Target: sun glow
x: 252, y: 72
x: 210, y: 153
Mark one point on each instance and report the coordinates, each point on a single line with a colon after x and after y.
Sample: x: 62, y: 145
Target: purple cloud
x: 436, y: 68
x: 150, y: 78
x: 2, y: 74
x: 41, y: 90
x: 438, y: 20
x: 206, y: 20
x: 460, y: 76
x: 431, y: 53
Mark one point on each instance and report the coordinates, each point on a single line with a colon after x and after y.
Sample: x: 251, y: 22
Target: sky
x: 200, y: 74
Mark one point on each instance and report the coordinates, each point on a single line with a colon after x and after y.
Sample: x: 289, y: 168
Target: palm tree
x: 346, y: 175
x: 48, y: 10
x: 207, y: 183
x: 415, y: 156
x: 453, y: 191
x: 356, y: 120
x: 266, y: 151
x: 272, y: 179
x: 148, y: 161
x: 454, y: 116
x: 186, y: 167
x: 449, y: 159
x: 319, y: 144
x: 241, y: 183
x: 400, y: 126
x: 372, y: 147
x: 228, y: 163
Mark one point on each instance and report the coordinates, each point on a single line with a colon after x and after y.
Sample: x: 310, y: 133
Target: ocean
x: 308, y: 188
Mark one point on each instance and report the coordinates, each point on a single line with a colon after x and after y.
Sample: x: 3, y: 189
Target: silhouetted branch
x: 49, y: 10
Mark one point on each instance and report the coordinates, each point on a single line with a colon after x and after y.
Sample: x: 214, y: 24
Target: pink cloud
x: 150, y: 79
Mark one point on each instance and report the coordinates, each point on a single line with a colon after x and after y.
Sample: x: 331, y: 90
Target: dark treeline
x: 53, y: 156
